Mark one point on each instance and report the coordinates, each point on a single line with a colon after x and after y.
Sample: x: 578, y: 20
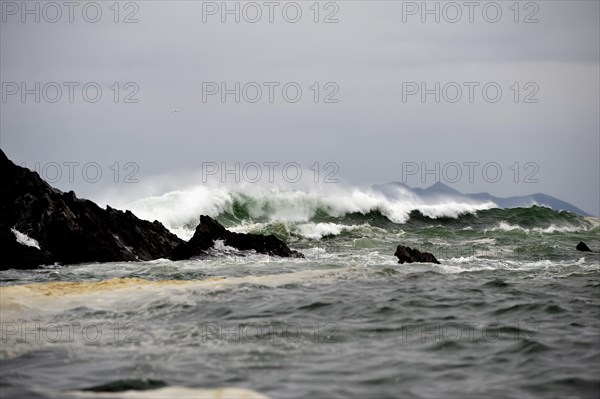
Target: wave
x: 30, y: 301
x: 309, y: 230
x: 179, y: 210
x: 504, y: 226
x: 535, y: 219
x: 333, y: 211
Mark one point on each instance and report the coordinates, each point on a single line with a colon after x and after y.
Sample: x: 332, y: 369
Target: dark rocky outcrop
x: 582, y: 247
x: 409, y: 255
x: 69, y: 229
x: 72, y: 230
x: 210, y: 230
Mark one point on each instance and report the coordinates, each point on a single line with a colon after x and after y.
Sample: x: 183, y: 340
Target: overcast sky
x: 371, y: 61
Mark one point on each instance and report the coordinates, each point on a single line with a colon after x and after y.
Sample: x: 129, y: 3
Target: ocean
x: 512, y: 311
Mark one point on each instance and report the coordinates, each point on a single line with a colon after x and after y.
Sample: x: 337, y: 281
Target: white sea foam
x: 594, y: 221
x: 219, y: 245
x: 25, y: 240
x: 318, y: 230
x: 505, y: 226
x: 176, y: 393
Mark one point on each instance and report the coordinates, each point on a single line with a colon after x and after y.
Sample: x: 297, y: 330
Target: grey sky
x: 368, y: 54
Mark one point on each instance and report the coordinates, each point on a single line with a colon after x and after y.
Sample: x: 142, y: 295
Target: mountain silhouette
x: 440, y: 192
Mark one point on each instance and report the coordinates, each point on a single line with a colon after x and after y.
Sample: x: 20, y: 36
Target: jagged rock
x: 68, y: 229
x: 72, y: 230
x: 582, y: 247
x: 210, y: 230
x: 409, y: 255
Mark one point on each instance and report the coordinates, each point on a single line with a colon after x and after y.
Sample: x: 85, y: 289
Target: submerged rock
x: 582, y: 247
x: 409, y: 255
x: 209, y: 230
x: 68, y: 229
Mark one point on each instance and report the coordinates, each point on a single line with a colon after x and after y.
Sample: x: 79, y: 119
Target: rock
x: 210, y: 230
x: 409, y: 255
x: 72, y: 230
x: 582, y: 247
x: 68, y: 229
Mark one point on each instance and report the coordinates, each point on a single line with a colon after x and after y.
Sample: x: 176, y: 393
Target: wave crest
x: 179, y: 210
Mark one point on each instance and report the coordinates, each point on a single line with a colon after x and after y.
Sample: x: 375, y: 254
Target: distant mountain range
x: 440, y: 192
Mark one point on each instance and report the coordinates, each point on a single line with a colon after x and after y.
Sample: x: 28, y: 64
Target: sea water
x: 512, y: 311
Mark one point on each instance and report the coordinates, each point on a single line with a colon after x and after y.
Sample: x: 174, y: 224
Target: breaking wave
x: 338, y: 211
x: 179, y: 210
